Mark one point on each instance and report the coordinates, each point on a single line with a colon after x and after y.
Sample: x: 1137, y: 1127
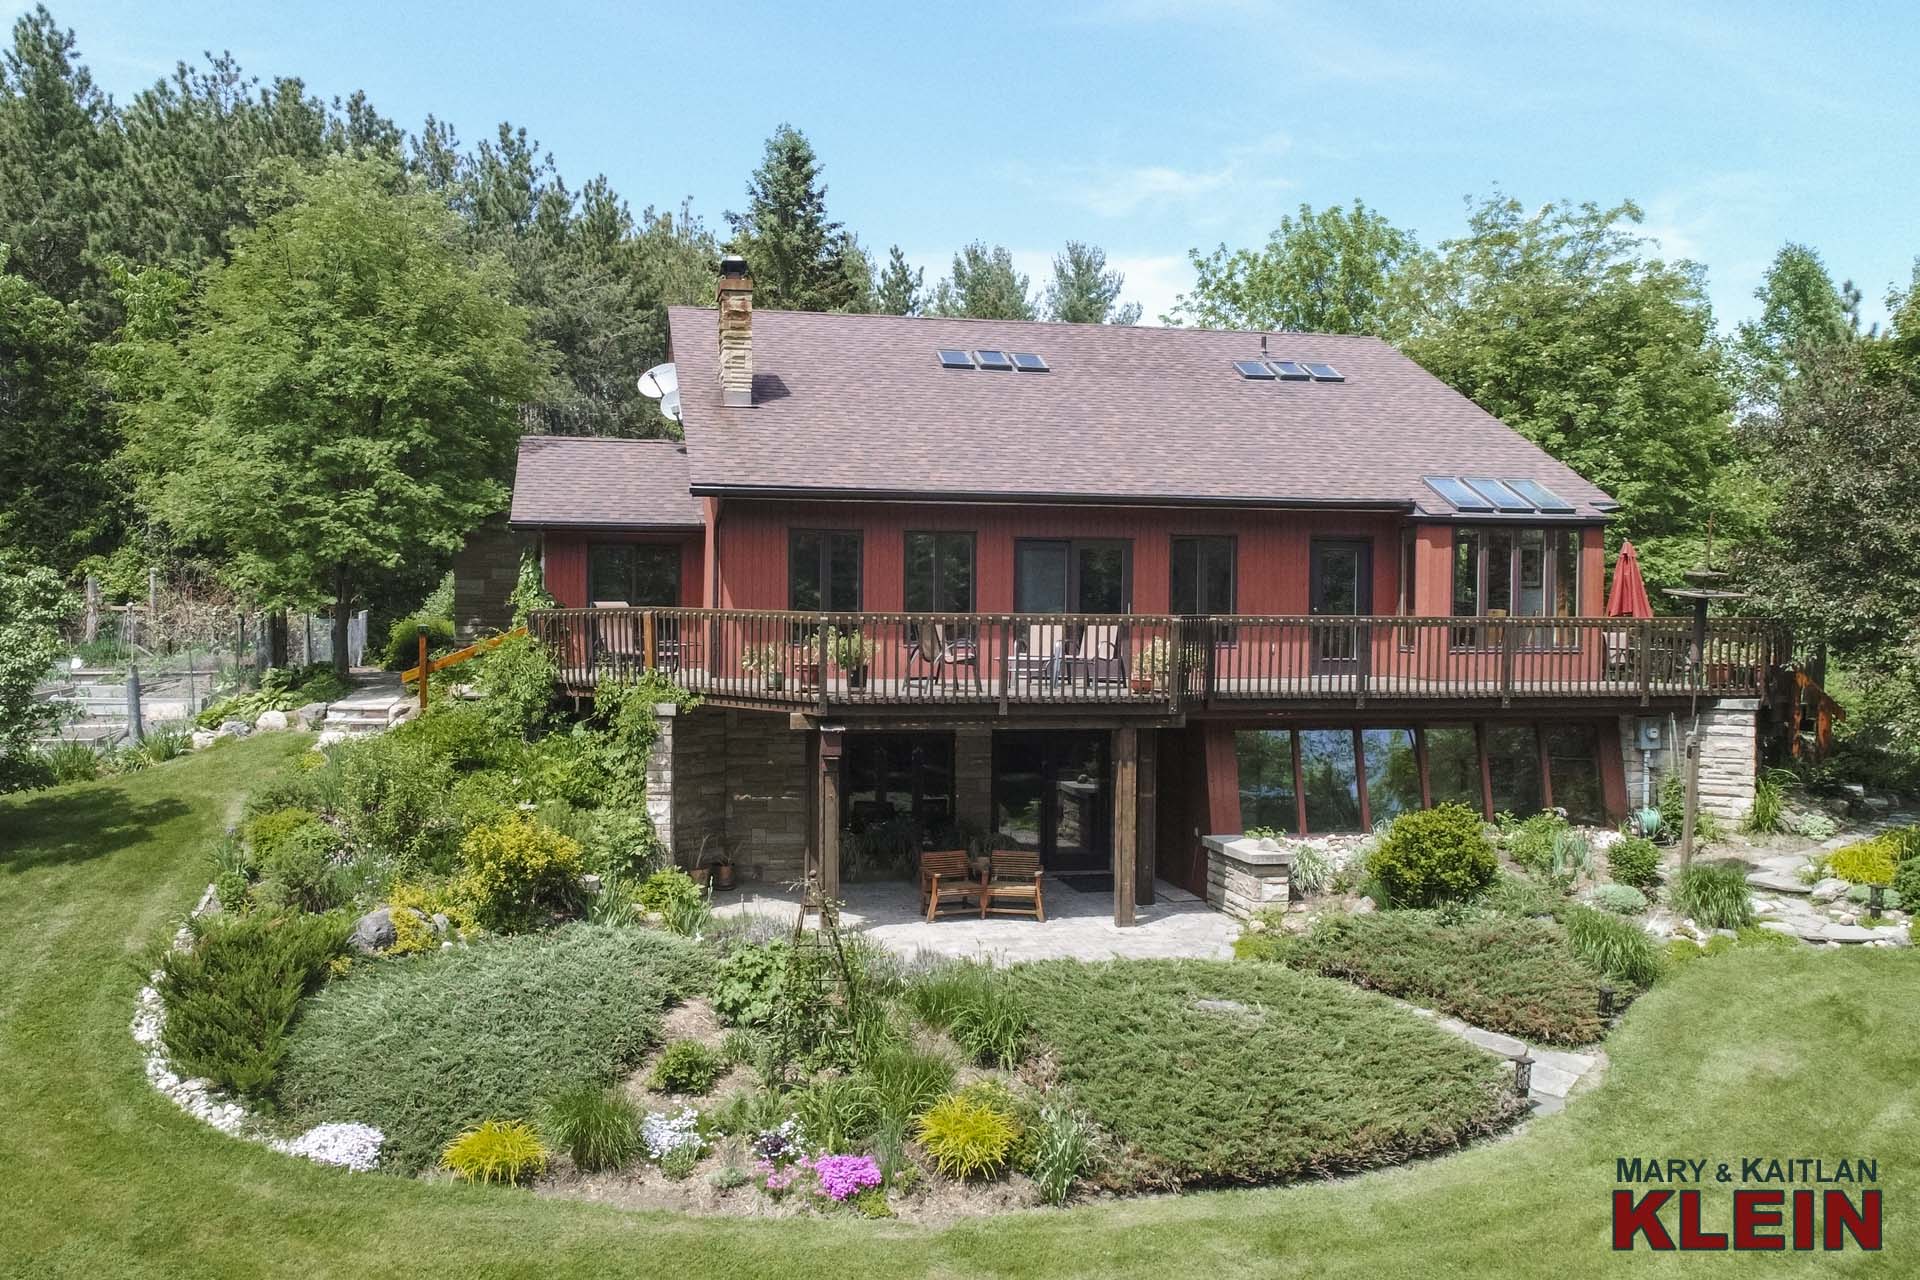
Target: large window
x: 1330, y: 780
x: 1085, y: 575
x: 939, y: 573
x: 1574, y: 767
x: 1453, y: 765
x: 1267, y: 794
x: 1513, y: 768
x: 823, y: 571
x: 1393, y: 773
x: 894, y: 776
x: 1201, y: 576
x: 636, y: 573
x: 1516, y: 573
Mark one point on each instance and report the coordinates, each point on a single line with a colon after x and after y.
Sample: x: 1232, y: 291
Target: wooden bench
x: 945, y: 876
x: 1015, y: 877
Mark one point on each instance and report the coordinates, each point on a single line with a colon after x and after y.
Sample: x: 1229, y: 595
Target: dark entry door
x: 1341, y: 586
x: 1053, y: 792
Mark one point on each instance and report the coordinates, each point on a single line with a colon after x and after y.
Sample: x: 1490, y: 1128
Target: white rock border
x: 348, y: 1146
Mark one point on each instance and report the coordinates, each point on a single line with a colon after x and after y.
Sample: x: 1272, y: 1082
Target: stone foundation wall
x: 732, y: 780
x: 1245, y: 875
x: 1729, y: 755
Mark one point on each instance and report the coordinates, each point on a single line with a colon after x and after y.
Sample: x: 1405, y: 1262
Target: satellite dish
x: 670, y: 406
x: 659, y: 381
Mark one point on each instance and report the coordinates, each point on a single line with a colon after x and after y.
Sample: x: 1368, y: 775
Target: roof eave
x: 816, y: 494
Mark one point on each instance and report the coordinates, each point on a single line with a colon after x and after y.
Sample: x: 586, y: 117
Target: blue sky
x: 1151, y: 127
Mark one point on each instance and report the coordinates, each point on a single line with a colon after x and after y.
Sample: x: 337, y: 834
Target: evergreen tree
x: 899, y: 291
x: 801, y: 260
x: 1800, y: 313
x: 1084, y: 291
x: 984, y: 286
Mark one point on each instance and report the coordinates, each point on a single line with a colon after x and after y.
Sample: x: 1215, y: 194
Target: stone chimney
x: 736, y: 332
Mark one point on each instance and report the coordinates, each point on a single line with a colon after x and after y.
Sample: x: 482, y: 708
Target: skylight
x: 1498, y: 494
x: 1253, y: 370
x: 1541, y: 496
x: 1325, y: 373
x: 1454, y: 491
x: 992, y: 360
x: 1028, y: 362
x: 1289, y: 370
x: 952, y: 359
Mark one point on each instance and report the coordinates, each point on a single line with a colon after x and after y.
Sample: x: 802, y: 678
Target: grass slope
x: 1794, y: 1053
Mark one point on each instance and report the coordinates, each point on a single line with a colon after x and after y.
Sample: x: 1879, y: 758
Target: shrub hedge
x: 1434, y: 855
x: 1504, y: 973
x: 1211, y: 1072
x: 424, y: 1047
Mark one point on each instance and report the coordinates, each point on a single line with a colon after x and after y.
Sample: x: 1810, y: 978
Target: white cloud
x: 1123, y: 191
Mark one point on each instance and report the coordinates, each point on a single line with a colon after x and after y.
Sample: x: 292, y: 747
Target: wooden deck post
x: 1147, y: 817
x: 646, y: 640
x: 1126, y: 803
x: 827, y: 824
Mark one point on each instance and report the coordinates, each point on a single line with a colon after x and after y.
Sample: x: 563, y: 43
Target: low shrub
x: 1673, y: 812
x: 1767, y: 815
x: 1434, y: 855
x: 1635, y: 861
x: 1619, y: 949
x: 966, y: 1137
x: 1210, y: 1072
x: 302, y: 871
x: 667, y: 889
x: 1621, y: 899
x: 835, y: 1112
x: 1531, y: 843
x: 1816, y: 826
x: 516, y: 680
x: 1523, y: 896
x: 1062, y: 1150
x: 598, y: 1128
x: 164, y: 742
x: 746, y: 983
x: 1680, y: 952
x: 521, y: 872
x: 1310, y: 872
x: 1714, y: 894
x: 686, y: 1066
x: 1262, y: 945
x: 1906, y: 880
x: 974, y: 1004
x: 1503, y: 973
x: 622, y: 842
x: 232, y: 996
x: 71, y: 762
x: 395, y: 798
x: 903, y: 1081
x: 1866, y: 862
x: 403, y: 641
x: 507, y: 1151
x: 424, y: 1049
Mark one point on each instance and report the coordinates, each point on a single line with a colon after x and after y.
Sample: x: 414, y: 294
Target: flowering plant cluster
x: 777, y: 1146
x: 778, y: 1179
x: 843, y: 1177
x: 664, y: 1134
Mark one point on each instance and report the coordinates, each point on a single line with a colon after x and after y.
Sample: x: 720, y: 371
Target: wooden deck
x: 1156, y: 666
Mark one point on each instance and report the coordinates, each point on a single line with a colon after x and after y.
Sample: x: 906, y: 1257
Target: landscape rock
x: 330, y: 736
x: 312, y: 714
x: 1829, y: 889
x: 204, y: 738
x: 233, y: 729
x: 372, y: 932
x: 1363, y: 906
x: 271, y: 721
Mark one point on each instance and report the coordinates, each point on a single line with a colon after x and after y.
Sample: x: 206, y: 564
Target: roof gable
x: 593, y: 482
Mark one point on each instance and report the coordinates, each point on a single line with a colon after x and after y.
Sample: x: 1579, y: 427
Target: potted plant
x: 851, y: 652
x: 723, y: 870
x: 768, y: 662
x: 1150, y: 665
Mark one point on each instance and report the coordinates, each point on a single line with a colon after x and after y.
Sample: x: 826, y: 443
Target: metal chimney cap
x: 733, y: 265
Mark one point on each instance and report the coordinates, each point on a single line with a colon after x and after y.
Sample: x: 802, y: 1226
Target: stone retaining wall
x: 1245, y: 875
x: 733, y: 780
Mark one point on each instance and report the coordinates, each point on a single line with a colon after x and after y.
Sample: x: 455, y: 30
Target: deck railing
x: 798, y: 660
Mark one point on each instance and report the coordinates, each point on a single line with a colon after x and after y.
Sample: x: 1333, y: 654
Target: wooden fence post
x: 423, y: 671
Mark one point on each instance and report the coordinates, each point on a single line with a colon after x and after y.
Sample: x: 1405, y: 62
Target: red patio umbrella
x: 1628, y: 599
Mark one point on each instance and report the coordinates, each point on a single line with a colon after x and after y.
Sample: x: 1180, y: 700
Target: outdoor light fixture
x: 1606, y: 1001
x: 1876, y: 900
x: 1522, y: 1073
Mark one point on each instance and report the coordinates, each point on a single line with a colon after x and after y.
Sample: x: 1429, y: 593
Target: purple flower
x: 842, y: 1177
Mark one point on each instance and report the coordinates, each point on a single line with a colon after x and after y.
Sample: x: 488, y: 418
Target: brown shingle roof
x: 860, y: 404
x: 593, y: 482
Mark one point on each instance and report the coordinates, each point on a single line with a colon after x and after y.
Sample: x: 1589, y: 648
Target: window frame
x: 1554, y: 542
x: 824, y: 568
x: 1198, y: 541
x: 972, y: 538
x: 633, y: 549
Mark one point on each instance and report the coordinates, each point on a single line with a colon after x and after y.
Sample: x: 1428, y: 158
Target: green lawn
x: 1762, y: 1053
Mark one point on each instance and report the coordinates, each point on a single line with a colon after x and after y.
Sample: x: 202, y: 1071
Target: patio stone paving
x: 1079, y: 926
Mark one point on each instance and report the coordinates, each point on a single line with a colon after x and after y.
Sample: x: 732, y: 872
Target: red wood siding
x: 564, y: 565
x: 1272, y: 549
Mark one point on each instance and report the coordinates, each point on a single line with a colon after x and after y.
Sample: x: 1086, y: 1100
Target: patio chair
x: 1042, y: 653
x: 616, y: 637
x: 946, y: 876
x: 1015, y: 877
x: 930, y: 653
x: 1100, y: 657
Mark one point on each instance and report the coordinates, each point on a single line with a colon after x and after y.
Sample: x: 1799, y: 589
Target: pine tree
x: 900, y: 291
x: 801, y: 259
x: 984, y: 286
x: 1084, y: 291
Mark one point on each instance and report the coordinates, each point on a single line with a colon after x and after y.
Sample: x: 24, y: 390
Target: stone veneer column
x: 1245, y: 875
x: 1729, y: 755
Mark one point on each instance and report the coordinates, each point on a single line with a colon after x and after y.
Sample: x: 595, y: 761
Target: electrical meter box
x: 1649, y: 733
